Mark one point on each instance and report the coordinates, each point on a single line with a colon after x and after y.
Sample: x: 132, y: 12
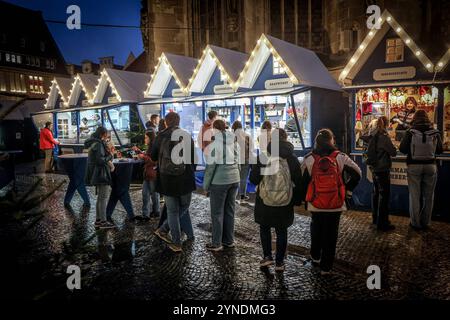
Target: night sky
x: 93, y: 42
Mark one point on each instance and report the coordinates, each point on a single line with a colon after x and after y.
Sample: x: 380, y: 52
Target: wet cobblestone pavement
x: 130, y: 263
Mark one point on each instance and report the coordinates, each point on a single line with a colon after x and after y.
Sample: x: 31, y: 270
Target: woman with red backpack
x: 328, y: 177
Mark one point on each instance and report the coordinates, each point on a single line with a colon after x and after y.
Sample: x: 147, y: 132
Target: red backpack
x: 326, y: 189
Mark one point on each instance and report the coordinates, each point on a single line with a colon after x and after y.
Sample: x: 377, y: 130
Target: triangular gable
x: 59, y: 88
x: 170, y: 66
x: 443, y: 62
x: 83, y: 83
x: 373, y: 39
x: 229, y: 62
x: 127, y: 86
x: 302, y: 66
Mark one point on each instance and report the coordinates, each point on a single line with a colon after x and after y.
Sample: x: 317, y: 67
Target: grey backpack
x: 276, y: 190
x: 423, y: 144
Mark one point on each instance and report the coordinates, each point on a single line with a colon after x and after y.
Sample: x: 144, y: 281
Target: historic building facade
x: 332, y: 28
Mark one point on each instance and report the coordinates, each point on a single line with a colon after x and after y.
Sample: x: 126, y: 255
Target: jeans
x: 222, y: 201
x: 81, y: 188
x: 324, y: 235
x: 380, y: 198
x: 124, y: 199
x: 422, y: 180
x: 150, y: 199
x: 103, y: 192
x: 178, y: 217
x: 245, y: 168
x: 266, y: 241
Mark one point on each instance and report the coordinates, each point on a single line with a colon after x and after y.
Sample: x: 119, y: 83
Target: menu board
x: 397, y: 104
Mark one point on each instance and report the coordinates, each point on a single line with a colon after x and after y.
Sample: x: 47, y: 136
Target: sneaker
x: 98, y: 223
x: 174, y: 247
x: 162, y: 235
x: 415, y: 228
x: 280, y: 267
x: 267, y: 261
x: 214, y: 248
x: 228, y: 246
x: 107, y: 225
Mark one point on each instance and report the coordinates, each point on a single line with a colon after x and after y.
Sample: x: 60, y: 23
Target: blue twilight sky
x: 93, y: 42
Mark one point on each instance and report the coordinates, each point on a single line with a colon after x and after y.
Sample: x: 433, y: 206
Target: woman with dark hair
x: 325, y: 191
x: 98, y: 173
x: 421, y: 144
x: 150, y: 198
x: 404, y: 118
x: 162, y: 125
x: 246, y: 148
x: 379, y: 160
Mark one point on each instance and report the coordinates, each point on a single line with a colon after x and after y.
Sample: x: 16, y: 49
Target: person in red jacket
x: 46, y: 144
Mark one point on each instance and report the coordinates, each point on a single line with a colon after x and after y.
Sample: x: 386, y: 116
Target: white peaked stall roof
x: 127, y: 86
x: 83, y: 83
x: 170, y: 65
x: 61, y: 87
x: 371, y: 41
x: 229, y: 62
x: 302, y: 66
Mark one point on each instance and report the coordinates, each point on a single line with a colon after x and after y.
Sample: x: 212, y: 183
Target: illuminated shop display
x: 447, y: 119
x: 397, y: 104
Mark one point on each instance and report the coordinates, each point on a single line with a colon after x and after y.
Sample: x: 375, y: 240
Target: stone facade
x: 332, y: 28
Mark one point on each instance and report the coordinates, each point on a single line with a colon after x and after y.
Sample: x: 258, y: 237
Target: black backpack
x: 370, y: 156
x: 166, y: 165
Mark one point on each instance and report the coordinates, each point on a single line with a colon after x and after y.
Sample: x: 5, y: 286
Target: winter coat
x: 405, y: 145
x: 351, y: 174
x: 168, y: 185
x: 46, y: 140
x: 385, y: 151
x: 225, y: 169
x: 97, y: 170
x: 278, y: 217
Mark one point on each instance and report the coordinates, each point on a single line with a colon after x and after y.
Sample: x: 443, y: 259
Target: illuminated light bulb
x: 380, y: 19
x: 441, y: 64
x: 398, y: 29
x: 353, y: 60
x: 344, y: 73
x: 361, y: 46
x: 417, y: 53
x: 428, y: 65
x: 371, y: 33
x: 259, y: 41
x: 389, y: 19
x: 408, y: 41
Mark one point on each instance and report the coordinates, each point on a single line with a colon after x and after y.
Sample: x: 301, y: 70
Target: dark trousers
x: 380, y: 198
x: 324, y: 235
x: 266, y: 241
x: 124, y: 199
x: 81, y: 188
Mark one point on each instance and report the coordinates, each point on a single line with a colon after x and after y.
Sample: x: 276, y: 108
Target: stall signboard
x: 278, y: 84
x: 113, y: 99
x: 394, y: 73
x: 399, y: 176
x: 178, y: 93
x: 223, y: 88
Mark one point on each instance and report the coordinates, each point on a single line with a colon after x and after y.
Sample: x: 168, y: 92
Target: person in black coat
x: 280, y: 218
x: 177, y: 189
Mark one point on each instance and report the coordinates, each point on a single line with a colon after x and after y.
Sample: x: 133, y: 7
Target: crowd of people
x: 323, y: 181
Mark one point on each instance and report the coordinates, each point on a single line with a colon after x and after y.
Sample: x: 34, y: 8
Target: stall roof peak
x: 128, y: 86
x: 88, y: 82
x: 170, y: 65
x: 229, y: 62
x: 60, y: 86
x: 302, y: 65
x: 371, y: 41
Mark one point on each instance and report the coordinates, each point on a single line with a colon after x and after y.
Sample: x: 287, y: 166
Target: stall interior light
x: 370, y: 37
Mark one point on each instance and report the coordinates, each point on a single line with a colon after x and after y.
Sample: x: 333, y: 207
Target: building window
x: 277, y: 68
x: 38, y: 62
x: 7, y: 57
x: 19, y: 59
x: 13, y: 58
x: 394, y: 50
x: 36, y: 84
x: 22, y: 42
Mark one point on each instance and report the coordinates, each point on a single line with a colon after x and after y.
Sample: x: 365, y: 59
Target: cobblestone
x: 131, y: 263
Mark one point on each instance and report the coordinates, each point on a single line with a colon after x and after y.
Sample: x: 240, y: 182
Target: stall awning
x: 164, y: 100
x: 211, y: 97
x: 262, y: 93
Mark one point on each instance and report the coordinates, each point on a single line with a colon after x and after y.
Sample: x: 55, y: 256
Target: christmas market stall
x: 389, y: 75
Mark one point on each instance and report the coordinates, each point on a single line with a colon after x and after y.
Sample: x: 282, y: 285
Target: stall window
x: 119, y: 118
x: 447, y: 119
x: 394, y: 50
x: 397, y: 104
x: 190, y: 118
x: 277, y: 67
x: 146, y: 111
x: 90, y: 120
x: 67, y: 127
x: 302, y: 103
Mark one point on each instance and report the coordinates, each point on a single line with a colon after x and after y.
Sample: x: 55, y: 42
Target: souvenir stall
x: 216, y: 72
x: 290, y: 87
x: 389, y: 75
x: 167, y: 89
